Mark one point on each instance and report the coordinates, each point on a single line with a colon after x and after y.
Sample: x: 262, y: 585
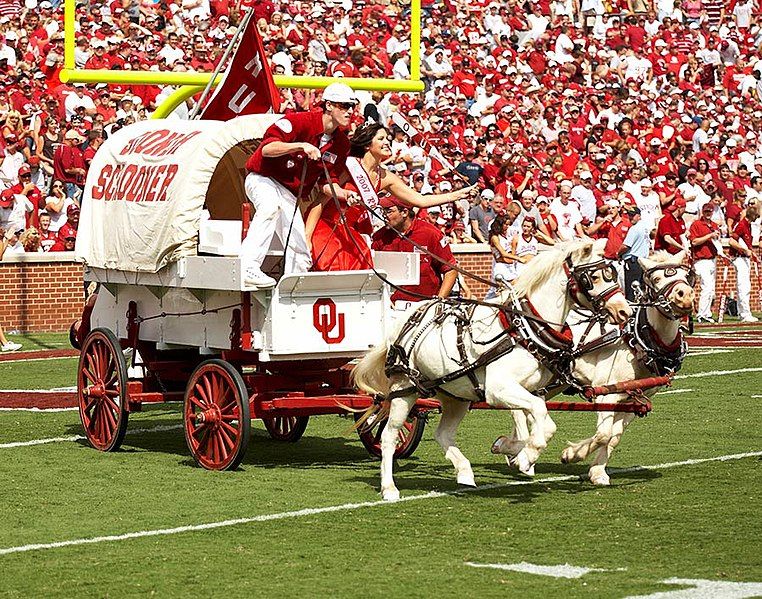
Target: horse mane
x: 662, y: 257
x: 543, y: 266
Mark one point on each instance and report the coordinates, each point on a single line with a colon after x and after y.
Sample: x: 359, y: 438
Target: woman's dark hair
x: 362, y: 137
x: 497, y: 224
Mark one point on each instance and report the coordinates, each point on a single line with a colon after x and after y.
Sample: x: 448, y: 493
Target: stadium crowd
x: 589, y: 116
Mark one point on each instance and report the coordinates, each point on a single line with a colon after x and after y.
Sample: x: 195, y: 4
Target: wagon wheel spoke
x: 228, y: 441
x: 89, y: 375
x: 89, y: 406
x: 111, y: 393
x: 108, y: 417
x: 114, y: 407
x: 222, y: 440
x: 231, y: 417
x: 201, y: 393
x: 196, y: 402
x: 229, y: 428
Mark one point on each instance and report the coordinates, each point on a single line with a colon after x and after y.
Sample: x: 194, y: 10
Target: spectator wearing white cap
x: 649, y: 203
x: 481, y: 215
x: 69, y: 164
x: 582, y: 193
x: 567, y: 214
x: 78, y: 98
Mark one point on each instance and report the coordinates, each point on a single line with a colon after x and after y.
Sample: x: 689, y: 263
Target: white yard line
x: 53, y: 390
x: 346, y: 507
x: 674, y: 391
x: 699, y: 375
x: 709, y: 352
x: 137, y: 431
x: 559, y: 571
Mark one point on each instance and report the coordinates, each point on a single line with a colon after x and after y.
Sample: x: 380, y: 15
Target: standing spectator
x: 741, y: 254
x: 481, y: 215
x: 56, y: 205
x: 636, y: 245
x: 12, y: 160
x: 13, y: 210
x: 567, y: 214
x: 703, y: 235
x: 670, y: 232
x: 69, y: 164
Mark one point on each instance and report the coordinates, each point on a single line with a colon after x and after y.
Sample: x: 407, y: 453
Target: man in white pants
x: 741, y: 254
x: 289, y: 163
x: 703, y: 234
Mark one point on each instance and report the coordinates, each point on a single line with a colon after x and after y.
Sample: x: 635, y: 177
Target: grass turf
x: 698, y: 521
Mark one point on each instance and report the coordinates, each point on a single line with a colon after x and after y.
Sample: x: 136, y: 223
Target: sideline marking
x: 559, y: 571
x: 674, y: 391
x: 39, y: 410
x: 53, y: 390
x: 136, y: 431
x: 706, y: 589
x: 39, y: 359
x: 709, y: 352
x: 699, y: 375
x: 352, y: 506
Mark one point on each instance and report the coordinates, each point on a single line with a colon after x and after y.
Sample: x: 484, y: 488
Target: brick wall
x: 44, y: 292
x: 40, y: 292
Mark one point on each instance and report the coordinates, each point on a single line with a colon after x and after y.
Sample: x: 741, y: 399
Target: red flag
x: 247, y: 87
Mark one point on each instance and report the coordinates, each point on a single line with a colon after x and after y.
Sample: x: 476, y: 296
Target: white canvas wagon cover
x: 149, y: 182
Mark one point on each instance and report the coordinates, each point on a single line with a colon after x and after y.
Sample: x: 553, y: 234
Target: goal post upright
x: 192, y: 83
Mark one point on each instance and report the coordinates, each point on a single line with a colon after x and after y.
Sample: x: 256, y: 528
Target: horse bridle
x: 581, y: 281
x: 659, y: 296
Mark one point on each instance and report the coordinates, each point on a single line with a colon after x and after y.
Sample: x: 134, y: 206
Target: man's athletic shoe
x: 10, y: 346
x: 256, y: 279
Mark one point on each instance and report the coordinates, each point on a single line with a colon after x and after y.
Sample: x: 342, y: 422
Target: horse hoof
x: 466, y: 480
x: 600, y: 480
x: 521, y: 461
x: 391, y: 495
x: 497, y: 446
x: 568, y: 456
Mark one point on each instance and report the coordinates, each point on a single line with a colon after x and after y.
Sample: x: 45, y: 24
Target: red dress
x: 340, y: 246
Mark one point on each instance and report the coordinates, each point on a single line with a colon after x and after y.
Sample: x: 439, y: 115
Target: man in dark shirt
x: 469, y: 168
x: 437, y: 276
x: 289, y: 162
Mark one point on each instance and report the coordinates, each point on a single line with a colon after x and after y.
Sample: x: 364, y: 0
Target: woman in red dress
x: 338, y: 245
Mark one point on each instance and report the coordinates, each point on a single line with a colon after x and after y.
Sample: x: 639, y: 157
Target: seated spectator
x: 57, y: 204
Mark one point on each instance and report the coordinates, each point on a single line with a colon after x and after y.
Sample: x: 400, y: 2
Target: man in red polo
x: 704, y: 234
x: 437, y: 276
x: 288, y: 163
x: 670, y: 231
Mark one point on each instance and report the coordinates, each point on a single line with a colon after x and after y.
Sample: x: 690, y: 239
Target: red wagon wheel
x: 407, y: 442
x: 286, y: 428
x: 102, y: 390
x: 216, y: 415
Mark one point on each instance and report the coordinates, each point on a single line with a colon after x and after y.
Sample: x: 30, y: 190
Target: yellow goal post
x: 193, y: 83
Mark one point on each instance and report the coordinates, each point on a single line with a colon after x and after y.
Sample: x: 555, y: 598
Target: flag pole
x: 242, y: 27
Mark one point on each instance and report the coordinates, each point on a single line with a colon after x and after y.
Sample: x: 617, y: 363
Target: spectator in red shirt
x: 741, y: 254
x: 670, y: 231
x: 69, y: 164
x: 704, y: 235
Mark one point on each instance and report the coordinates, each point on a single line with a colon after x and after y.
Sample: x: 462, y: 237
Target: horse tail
x: 368, y: 375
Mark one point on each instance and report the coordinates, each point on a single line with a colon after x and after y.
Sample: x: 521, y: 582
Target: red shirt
x: 700, y: 228
x: 669, y: 225
x: 616, y: 234
x: 741, y: 230
x: 67, y: 157
x: 425, y: 235
x: 287, y: 169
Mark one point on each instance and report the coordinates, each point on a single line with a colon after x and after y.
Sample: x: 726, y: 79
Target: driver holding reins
x: 285, y: 167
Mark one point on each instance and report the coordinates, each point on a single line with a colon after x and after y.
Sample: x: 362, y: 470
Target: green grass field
x: 696, y: 521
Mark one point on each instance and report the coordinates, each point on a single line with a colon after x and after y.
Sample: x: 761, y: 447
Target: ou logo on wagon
x: 326, y: 318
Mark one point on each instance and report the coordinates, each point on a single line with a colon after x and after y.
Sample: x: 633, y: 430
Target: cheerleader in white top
x: 525, y: 245
x: 503, y: 260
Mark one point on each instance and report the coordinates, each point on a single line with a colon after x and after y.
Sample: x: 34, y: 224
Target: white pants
x: 276, y: 213
x: 705, y: 270
x: 743, y: 276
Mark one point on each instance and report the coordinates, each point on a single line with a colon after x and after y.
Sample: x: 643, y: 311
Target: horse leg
x: 511, y: 395
x: 579, y: 451
x: 398, y: 410
x: 597, y: 472
x: 453, y: 412
x: 510, y: 446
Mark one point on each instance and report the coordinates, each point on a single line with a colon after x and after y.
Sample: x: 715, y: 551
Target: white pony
x: 651, y: 345
x: 505, y: 350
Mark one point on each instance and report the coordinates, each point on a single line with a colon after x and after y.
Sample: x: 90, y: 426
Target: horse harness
x: 522, y: 326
